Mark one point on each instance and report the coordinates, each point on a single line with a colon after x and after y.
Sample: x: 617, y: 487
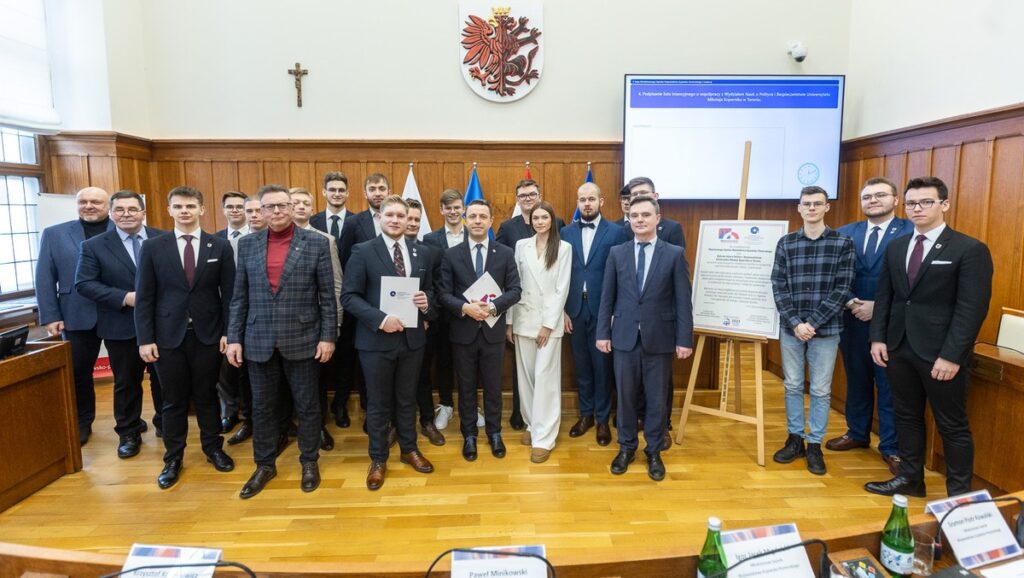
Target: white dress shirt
x: 929, y: 240
x: 242, y: 231
x: 648, y: 255
x: 472, y: 251
x: 454, y: 239
x: 390, y: 244
x: 883, y: 228
x: 126, y: 240
x: 375, y: 215
x: 330, y: 219
x: 178, y: 234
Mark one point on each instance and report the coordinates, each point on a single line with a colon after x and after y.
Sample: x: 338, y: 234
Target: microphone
x: 221, y: 564
x: 551, y: 569
x: 1018, y: 533
x: 823, y: 563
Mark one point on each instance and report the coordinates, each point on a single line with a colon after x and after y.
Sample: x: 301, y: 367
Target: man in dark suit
x: 624, y: 205
x: 335, y: 192
x: 511, y: 232
x: 878, y: 200
x: 389, y: 352
x: 181, y: 314
x: 283, y: 307
x: 478, y: 347
x: 438, y: 354
x: 668, y: 230
x: 591, y: 238
x: 62, y: 310
x: 233, y: 205
x: 933, y: 295
x: 106, y: 275
x: 645, y: 317
x: 425, y: 388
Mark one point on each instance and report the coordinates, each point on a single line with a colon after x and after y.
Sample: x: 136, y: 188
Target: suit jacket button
x: 908, y: 301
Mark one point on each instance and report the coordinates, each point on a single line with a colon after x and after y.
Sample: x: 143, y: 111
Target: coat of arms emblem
x: 502, y: 52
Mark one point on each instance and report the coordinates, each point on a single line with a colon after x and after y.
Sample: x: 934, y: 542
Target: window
x: 21, y: 179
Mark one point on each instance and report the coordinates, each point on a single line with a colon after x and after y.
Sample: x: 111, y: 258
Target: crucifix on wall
x: 298, y: 72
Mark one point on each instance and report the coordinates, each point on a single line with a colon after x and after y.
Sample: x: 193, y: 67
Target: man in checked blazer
x: 283, y: 321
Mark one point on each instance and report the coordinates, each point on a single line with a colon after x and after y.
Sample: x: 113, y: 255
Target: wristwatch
x: 493, y: 309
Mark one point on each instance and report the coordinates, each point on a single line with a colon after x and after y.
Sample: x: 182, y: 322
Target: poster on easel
x: 732, y: 289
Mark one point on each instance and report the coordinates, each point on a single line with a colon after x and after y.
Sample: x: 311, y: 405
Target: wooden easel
x: 732, y: 361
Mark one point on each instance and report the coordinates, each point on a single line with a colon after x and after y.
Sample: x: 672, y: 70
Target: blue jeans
x: 820, y: 356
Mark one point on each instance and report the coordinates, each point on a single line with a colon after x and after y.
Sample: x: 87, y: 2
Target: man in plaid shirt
x: 812, y: 280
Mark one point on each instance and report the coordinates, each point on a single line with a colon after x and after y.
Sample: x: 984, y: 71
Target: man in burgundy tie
x: 933, y: 295
x: 181, y: 313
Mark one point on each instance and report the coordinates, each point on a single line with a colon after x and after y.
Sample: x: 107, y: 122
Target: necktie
x: 916, y: 257
x: 869, y: 251
x: 479, y: 260
x: 587, y: 225
x: 136, y: 248
x: 236, y: 234
x: 335, y: 229
x: 399, y: 261
x: 190, y: 260
x: 641, y: 262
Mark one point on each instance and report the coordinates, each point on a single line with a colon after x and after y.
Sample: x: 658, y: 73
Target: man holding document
x: 387, y: 288
x: 479, y: 282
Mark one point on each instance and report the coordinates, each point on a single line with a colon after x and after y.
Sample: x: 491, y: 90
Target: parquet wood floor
x: 570, y: 503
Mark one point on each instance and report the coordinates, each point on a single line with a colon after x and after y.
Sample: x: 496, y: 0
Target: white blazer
x: 544, y: 290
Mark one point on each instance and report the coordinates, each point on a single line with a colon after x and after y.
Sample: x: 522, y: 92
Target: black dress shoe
x: 244, y: 432
x: 604, y: 434
x: 469, y: 448
x: 581, y: 426
x: 655, y: 467
x: 666, y: 443
x: 342, y: 420
x: 257, y: 481
x: 310, y: 476
x: 228, y: 423
x: 159, y: 431
x: 169, y: 475
x: 516, y: 421
x: 83, y: 435
x: 497, y: 446
x: 326, y: 440
x: 144, y: 428
x: 621, y: 462
x: 221, y: 461
x: 129, y: 446
x: 897, y: 485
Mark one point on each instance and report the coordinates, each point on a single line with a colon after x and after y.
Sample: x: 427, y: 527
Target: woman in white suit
x: 536, y: 326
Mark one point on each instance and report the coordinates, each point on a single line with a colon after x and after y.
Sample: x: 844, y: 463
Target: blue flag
x: 589, y: 179
x: 473, y: 192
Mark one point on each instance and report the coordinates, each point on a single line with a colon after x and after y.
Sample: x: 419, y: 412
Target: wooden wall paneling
x: 1005, y: 228
x: 895, y: 168
x: 128, y: 175
x: 102, y: 173
x: 356, y: 197
x: 225, y: 178
x: 606, y: 176
x: 198, y: 175
x: 70, y: 173
x: 969, y: 194
x: 169, y: 174
x: 275, y: 172
x: 919, y: 163
x: 430, y: 182
x: 300, y: 174
x: 250, y: 177
x: 944, y: 166
x: 554, y: 178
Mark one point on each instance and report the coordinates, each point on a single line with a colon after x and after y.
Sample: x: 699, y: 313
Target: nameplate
x: 149, y: 555
x: 499, y: 562
x: 977, y: 534
x: 743, y: 544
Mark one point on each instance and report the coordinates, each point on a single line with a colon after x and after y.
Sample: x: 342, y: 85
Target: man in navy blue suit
x: 645, y: 318
x: 867, y: 385
x: 106, y: 275
x: 62, y: 310
x: 181, y: 313
x: 233, y: 205
x: 668, y: 230
x: 591, y: 238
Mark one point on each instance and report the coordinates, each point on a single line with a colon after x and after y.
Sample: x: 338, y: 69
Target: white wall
x: 78, y: 63
x: 389, y: 69
x: 915, y: 61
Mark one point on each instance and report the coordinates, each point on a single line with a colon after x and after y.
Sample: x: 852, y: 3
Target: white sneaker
x: 442, y: 414
x: 480, y: 421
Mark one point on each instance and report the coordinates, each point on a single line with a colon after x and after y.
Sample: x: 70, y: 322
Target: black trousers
x: 349, y: 375
x: 267, y: 378
x: 189, y: 373
x: 437, y: 359
x: 482, y: 360
x: 641, y: 375
x: 913, y: 386
x: 391, y: 383
x: 234, y: 390
x: 128, y: 369
x: 85, y: 348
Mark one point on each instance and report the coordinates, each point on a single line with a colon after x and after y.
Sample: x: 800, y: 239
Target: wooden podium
x: 38, y: 420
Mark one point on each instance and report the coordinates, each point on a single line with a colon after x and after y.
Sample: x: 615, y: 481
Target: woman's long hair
x: 551, y: 251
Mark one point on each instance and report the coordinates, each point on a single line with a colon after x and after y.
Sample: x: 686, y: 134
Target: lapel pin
x: 209, y: 244
x: 938, y: 245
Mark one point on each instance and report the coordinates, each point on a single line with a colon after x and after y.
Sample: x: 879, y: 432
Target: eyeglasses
x: 924, y: 204
x: 270, y: 208
x: 528, y: 196
x: 875, y: 196
x: 455, y: 209
x: 234, y: 208
x: 126, y: 211
x: 815, y: 204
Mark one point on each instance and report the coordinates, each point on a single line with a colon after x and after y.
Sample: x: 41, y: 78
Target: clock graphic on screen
x: 808, y: 174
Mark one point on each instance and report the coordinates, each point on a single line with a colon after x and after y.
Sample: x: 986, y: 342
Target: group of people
x: 253, y: 324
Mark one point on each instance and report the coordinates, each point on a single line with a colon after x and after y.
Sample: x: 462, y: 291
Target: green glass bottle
x: 897, y: 550
x: 712, y: 556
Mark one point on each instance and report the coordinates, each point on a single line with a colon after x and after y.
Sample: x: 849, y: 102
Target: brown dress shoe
x: 435, y: 437
x: 526, y: 439
x: 894, y: 464
x: 539, y: 455
x: 844, y: 443
x: 667, y: 443
x: 392, y: 437
x: 581, y: 426
x: 418, y: 462
x: 375, y: 477
x: 604, y: 434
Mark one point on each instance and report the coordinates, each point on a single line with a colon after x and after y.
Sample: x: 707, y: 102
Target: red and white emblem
x: 502, y: 50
